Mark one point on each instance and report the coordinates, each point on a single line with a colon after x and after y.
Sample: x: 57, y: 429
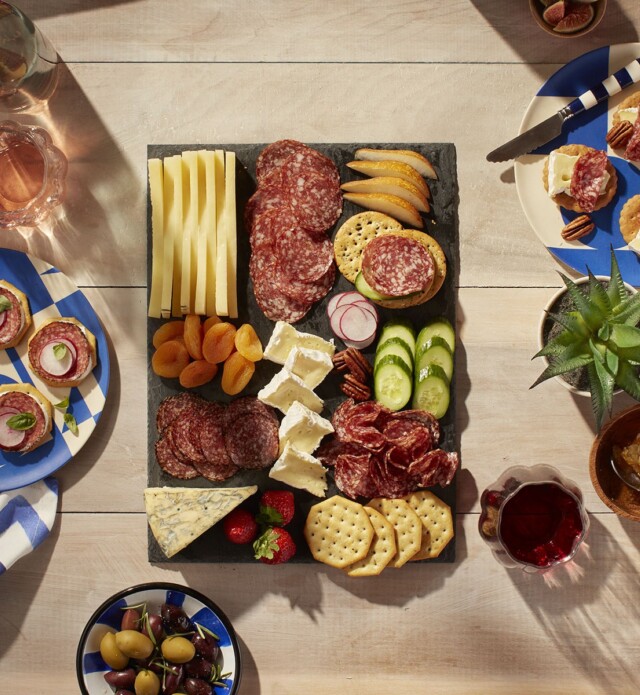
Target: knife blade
x: 552, y: 127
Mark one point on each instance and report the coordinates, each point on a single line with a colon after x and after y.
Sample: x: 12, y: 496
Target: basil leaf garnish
x: 71, y: 423
x: 5, y: 303
x: 60, y: 351
x: 63, y: 405
x: 22, y: 421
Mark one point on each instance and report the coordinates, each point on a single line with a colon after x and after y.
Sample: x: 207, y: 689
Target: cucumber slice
x: 400, y: 328
x: 392, y: 382
x: 438, y: 327
x: 431, y: 391
x: 394, y: 346
x: 436, y: 351
x: 367, y: 291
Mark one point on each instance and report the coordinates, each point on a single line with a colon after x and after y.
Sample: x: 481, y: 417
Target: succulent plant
x: 601, y: 336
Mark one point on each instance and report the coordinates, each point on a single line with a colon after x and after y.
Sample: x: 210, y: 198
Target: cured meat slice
x: 352, y: 475
x: 217, y: 464
x: 313, y: 160
x: 268, y: 226
x: 361, y: 427
x: 274, y: 155
x: 390, y: 473
x: 173, y: 407
x: 184, y: 433
x: 328, y: 452
x: 248, y: 406
x: 273, y: 303
x: 427, y: 419
x: 340, y: 417
x: 303, y: 256
x: 587, y: 178
x: 266, y: 198
x: 252, y: 442
x: 170, y: 463
x: 315, y: 199
x: 307, y: 292
x: 410, y: 435
x: 632, y: 151
x: 17, y: 402
x: 436, y: 467
x: 396, y: 266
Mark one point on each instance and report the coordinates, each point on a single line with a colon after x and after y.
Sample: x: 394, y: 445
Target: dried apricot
x: 218, y: 342
x: 170, y: 359
x: 197, y: 373
x: 247, y: 343
x: 211, y: 321
x: 168, y: 331
x: 193, y: 336
x: 236, y: 373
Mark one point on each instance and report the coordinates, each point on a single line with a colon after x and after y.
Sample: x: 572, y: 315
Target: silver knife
x: 552, y: 127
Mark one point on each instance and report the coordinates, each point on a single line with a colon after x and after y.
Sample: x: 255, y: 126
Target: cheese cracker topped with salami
x: 62, y: 352
x: 579, y: 178
x: 15, y: 317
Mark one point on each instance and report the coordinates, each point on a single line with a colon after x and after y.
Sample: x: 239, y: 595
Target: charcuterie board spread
x: 306, y: 349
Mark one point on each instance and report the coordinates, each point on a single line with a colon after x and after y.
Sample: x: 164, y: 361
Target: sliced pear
x: 391, y: 185
x: 399, y: 169
x: 419, y: 162
x: 391, y: 205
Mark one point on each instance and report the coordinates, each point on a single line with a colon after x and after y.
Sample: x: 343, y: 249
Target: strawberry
x: 276, y: 508
x: 239, y: 526
x: 274, y: 546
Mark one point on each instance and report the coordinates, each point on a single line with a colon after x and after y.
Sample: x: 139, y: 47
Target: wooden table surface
x: 155, y: 71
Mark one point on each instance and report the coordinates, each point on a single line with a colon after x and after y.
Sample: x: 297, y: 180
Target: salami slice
x: 410, y: 435
x: 12, y: 320
x: 427, y: 419
x: 303, y: 256
x: 267, y: 197
x: 313, y: 160
x: 252, y: 442
x: 169, y: 462
x: 328, y: 452
x: 587, y: 178
x: 632, y: 151
x: 273, y: 303
x: 352, y: 475
x: 268, y: 226
x: 390, y: 473
x: 248, y: 406
x: 274, y: 155
x: 316, y: 200
x: 174, y: 406
x: 306, y: 292
x: 395, y: 266
x: 436, y: 467
x: 341, y: 416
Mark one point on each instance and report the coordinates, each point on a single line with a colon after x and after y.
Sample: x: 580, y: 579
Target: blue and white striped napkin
x: 26, y: 519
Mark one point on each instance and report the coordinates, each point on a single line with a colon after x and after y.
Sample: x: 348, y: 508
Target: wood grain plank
x: 462, y: 629
x: 295, y: 30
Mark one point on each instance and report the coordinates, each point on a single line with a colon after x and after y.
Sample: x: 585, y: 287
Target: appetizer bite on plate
x: 62, y: 352
x: 15, y: 316
x: 26, y: 418
x: 579, y: 178
x: 625, y: 131
x: 630, y: 223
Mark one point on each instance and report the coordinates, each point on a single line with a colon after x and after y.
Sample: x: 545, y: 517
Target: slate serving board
x: 441, y: 223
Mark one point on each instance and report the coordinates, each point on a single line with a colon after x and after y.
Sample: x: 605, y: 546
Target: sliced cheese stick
x: 173, y: 168
x: 190, y: 231
x: 222, y: 304
x: 205, y: 297
x: 156, y: 193
x: 169, y: 215
x: 230, y: 227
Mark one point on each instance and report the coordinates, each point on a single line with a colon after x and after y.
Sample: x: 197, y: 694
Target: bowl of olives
x: 158, y: 639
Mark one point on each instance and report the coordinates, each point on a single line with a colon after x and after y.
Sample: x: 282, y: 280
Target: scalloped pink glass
x: 32, y: 175
x: 564, y: 529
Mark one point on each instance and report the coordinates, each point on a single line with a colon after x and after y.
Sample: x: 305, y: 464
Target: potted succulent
x: 594, y: 335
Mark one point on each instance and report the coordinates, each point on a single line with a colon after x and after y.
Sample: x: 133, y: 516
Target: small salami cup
x: 90, y: 666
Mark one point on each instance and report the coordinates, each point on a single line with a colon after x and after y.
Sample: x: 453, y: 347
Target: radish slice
x: 10, y: 439
x: 54, y: 366
x: 357, y: 324
x: 333, y: 303
x: 340, y: 299
x: 334, y: 321
x: 367, y: 306
x: 359, y: 344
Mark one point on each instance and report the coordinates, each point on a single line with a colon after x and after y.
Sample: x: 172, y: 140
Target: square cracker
x: 338, y: 531
x: 382, y: 549
x: 407, y: 526
x: 437, y: 522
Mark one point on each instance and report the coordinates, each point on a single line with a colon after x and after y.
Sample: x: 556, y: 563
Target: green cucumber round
x: 440, y: 328
x: 431, y: 391
x: 437, y: 352
x: 392, y: 382
x: 394, y: 346
x: 399, y: 328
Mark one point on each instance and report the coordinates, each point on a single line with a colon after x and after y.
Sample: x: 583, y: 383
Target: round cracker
x: 406, y: 524
x: 569, y: 202
x: 437, y: 522
x: 632, y: 101
x: 382, y: 550
x: 354, y: 235
x: 338, y: 532
x: 630, y: 219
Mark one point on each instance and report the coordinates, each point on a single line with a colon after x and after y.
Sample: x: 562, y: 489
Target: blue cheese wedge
x: 178, y: 515
x: 303, y: 429
x: 312, y: 366
x: 285, y: 388
x: 300, y: 470
x: 285, y: 337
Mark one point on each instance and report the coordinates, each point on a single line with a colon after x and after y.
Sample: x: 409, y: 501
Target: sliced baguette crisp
x: 386, y: 168
x: 414, y: 159
x: 391, y: 205
x: 391, y: 185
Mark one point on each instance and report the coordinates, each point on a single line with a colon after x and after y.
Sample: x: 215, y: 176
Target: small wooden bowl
x: 537, y: 8
x: 619, y: 497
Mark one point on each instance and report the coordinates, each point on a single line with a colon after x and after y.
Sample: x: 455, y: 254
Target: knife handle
x: 612, y: 85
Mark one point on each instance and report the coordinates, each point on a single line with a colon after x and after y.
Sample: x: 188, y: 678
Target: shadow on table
x: 514, y: 23
x: 563, y: 604
x: 37, y: 9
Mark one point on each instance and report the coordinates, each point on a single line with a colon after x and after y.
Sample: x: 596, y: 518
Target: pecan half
x: 619, y: 134
x: 355, y: 368
x: 339, y: 361
x: 355, y: 389
x: 576, y: 229
x: 358, y: 357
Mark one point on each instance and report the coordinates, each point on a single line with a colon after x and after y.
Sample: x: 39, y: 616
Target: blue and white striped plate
x: 51, y: 293
x: 90, y: 666
x: 590, y: 129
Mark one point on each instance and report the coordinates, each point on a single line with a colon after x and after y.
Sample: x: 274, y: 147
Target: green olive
x: 134, y: 644
x: 111, y: 654
x: 147, y: 683
x: 178, y: 650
